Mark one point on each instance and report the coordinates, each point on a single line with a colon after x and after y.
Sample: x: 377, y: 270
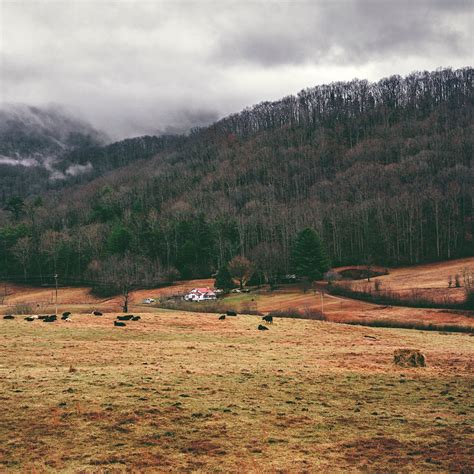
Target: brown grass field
x: 185, y: 392
x: 430, y: 279
x: 180, y: 391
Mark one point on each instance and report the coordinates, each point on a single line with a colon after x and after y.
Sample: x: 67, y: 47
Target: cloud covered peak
x: 40, y: 137
x: 133, y: 68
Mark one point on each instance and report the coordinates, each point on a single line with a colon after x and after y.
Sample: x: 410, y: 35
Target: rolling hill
x: 381, y: 170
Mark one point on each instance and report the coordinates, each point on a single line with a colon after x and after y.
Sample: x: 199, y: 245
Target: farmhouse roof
x: 201, y: 290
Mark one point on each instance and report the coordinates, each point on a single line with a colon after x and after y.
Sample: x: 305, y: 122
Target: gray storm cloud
x: 133, y: 68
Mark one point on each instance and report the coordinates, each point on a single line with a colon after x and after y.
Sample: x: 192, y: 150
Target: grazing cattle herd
x: 66, y: 317
x: 261, y: 327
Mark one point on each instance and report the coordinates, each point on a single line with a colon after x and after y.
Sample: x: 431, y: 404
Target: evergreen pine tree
x: 119, y: 240
x: 310, y: 259
x: 186, y: 261
x: 223, y: 279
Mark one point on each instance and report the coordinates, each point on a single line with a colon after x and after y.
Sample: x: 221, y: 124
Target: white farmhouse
x: 200, y: 294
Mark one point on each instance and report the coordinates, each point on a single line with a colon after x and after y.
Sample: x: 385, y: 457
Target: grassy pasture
x: 428, y: 281
x: 186, y: 392
x: 431, y: 280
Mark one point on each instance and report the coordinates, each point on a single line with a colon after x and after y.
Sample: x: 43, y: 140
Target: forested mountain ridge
x: 381, y: 170
x: 44, y: 149
x: 33, y: 145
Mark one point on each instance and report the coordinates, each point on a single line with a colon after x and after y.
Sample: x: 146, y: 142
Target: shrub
x: 22, y: 308
x: 468, y: 279
x: 457, y: 281
x: 332, y: 275
x: 469, y: 301
x: 285, y: 313
x: 306, y: 313
x: 361, y: 274
x: 314, y: 314
x: 195, y: 307
x: 415, y: 298
x: 178, y: 304
x: 387, y: 323
x: 250, y: 307
x: 251, y: 312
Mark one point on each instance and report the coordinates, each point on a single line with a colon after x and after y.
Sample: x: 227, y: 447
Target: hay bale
x: 409, y: 358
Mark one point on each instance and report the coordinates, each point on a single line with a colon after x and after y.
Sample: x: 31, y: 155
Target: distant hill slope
x: 382, y: 171
x: 34, y: 141
x: 42, y: 132
x: 43, y: 149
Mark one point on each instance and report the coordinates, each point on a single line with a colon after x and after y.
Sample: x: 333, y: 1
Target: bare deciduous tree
x: 241, y: 268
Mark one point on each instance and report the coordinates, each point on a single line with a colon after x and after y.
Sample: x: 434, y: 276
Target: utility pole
x: 56, y: 281
x: 322, y: 302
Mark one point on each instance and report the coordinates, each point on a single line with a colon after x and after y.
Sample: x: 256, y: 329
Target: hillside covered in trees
x: 46, y: 149
x: 382, y: 171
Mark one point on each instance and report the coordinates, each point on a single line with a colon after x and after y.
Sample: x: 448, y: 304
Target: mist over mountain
x: 35, y: 143
x: 33, y: 136
x: 44, y: 149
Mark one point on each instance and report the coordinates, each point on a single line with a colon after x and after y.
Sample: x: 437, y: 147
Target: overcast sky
x: 136, y: 67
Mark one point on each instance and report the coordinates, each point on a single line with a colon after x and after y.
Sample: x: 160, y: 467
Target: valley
x: 431, y: 279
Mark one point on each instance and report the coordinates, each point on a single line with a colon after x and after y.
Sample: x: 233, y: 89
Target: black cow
x: 9, y: 316
x: 66, y: 314
x: 119, y: 324
x: 222, y: 317
x: 268, y: 319
x: 231, y: 313
x: 97, y: 313
x: 30, y: 318
x: 49, y: 320
x: 43, y: 316
x: 136, y: 318
x: 262, y: 328
x: 125, y: 318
